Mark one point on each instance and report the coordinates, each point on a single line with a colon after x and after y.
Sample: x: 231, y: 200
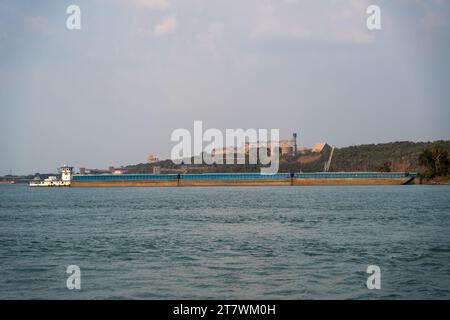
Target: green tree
x: 435, y: 160
x: 386, y: 167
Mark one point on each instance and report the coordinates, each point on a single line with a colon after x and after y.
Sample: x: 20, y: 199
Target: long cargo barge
x: 8, y: 182
x: 243, y: 179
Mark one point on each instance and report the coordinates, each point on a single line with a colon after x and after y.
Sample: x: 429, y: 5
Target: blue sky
x: 113, y: 92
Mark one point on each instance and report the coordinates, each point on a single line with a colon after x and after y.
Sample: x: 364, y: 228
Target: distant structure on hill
x: 157, y: 170
x: 152, y: 159
x: 320, y: 147
x: 84, y: 171
x: 286, y: 147
x: 110, y: 169
x: 294, y: 137
x: 119, y: 171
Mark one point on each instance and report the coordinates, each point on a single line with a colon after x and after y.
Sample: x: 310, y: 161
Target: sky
x: 112, y: 92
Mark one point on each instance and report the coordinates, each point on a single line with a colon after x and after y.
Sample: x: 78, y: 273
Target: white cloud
x: 150, y: 4
x: 323, y: 21
x: 269, y: 24
x: 167, y: 26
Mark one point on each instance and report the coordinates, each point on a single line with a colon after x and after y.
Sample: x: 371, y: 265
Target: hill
x: 393, y: 156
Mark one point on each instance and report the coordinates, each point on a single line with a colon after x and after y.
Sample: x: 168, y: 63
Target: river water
x: 225, y: 242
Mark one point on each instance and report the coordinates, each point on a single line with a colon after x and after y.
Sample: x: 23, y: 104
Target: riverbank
x: 435, y: 181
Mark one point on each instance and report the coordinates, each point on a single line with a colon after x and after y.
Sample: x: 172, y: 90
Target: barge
x: 225, y: 179
x: 243, y: 179
x: 8, y: 182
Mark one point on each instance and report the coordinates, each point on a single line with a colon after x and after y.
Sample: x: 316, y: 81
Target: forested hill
x: 394, y: 156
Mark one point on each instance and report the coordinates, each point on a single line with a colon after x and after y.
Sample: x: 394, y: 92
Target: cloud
x: 150, y: 4
x: 167, y: 26
x: 269, y: 23
x: 324, y: 21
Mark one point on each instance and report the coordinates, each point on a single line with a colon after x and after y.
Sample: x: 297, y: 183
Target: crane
x: 327, y: 164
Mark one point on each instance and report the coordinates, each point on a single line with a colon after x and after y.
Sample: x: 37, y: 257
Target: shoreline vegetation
x: 429, y: 159
x: 435, y: 181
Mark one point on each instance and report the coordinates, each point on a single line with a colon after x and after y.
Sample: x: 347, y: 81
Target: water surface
x: 225, y: 242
